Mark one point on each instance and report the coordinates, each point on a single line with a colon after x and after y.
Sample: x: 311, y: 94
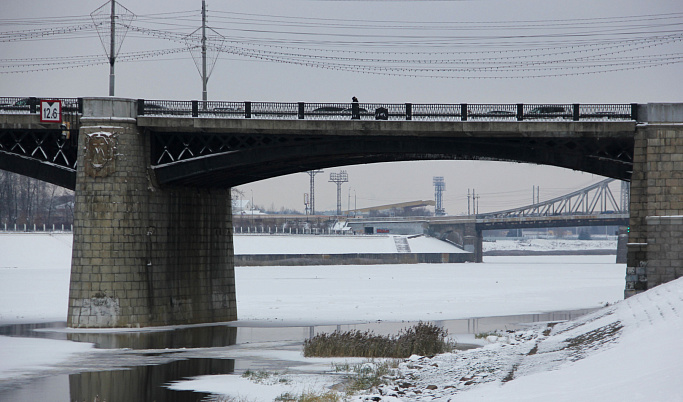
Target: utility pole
x: 107, y: 14
x: 206, y: 54
x: 468, y: 202
x: 475, y: 202
x: 311, y: 200
x: 112, y: 47
x: 204, y: 77
x: 339, y: 179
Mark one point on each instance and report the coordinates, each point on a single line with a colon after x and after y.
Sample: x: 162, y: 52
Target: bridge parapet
x: 389, y: 111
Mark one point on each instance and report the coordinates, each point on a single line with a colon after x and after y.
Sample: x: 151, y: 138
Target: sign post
x: 50, y: 111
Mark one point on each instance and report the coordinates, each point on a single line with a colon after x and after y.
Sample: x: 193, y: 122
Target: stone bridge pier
x: 465, y: 235
x: 143, y: 255
x: 655, y: 246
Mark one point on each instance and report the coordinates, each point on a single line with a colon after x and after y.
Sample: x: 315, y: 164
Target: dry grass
x: 423, y: 339
x: 329, y: 396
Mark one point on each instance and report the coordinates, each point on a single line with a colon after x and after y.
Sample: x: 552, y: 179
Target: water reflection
x: 195, y: 337
x: 145, y: 383
x: 141, y: 383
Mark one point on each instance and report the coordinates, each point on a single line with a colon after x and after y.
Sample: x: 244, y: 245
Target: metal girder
x: 230, y: 159
x: 43, y: 154
x: 594, y: 199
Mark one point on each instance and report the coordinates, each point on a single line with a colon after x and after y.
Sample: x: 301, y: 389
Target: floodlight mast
x: 339, y: 178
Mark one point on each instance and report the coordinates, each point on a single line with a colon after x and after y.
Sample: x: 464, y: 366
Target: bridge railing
x: 25, y: 105
x: 389, y: 111
x: 342, y: 111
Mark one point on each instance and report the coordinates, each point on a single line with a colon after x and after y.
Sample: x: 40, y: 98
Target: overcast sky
x: 378, y: 51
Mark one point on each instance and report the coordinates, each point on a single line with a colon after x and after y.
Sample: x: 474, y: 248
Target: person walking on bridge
x: 355, y: 110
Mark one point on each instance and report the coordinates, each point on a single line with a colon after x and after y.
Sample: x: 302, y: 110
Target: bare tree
x: 32, y: 202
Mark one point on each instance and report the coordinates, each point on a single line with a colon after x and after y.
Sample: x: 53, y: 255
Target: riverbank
x: 34, y: 288
x: 520, y: 247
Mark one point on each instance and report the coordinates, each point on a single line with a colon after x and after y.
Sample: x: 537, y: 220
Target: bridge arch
x: 148, y: 254
x: 229, y: 156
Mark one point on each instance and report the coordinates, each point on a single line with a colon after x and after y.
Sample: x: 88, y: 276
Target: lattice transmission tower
x: 339, y: 179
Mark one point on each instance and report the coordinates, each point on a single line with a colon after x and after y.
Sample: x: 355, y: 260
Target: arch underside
x: 38, y: 169
x: 43, y: 154
x: 610, y: 157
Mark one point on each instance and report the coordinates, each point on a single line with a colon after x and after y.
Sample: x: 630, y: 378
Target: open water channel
x: 135, y: 366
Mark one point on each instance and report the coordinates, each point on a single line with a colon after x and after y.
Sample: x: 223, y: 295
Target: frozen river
x: 278, y: 308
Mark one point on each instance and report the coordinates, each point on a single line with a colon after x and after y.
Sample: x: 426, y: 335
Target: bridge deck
x: 595, y: 129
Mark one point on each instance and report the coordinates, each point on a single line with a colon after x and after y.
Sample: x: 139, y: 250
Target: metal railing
x: 389, y: 111
x: 355, y: 111
x: 24, y: 105
x: 34, y: 228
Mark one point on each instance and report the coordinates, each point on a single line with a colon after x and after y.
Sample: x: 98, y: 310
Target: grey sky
x: 174, y: 76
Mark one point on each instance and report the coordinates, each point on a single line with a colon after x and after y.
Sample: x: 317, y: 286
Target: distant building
x: 240, y: 207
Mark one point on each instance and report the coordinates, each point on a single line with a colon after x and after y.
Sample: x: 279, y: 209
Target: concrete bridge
x: 152, y: 228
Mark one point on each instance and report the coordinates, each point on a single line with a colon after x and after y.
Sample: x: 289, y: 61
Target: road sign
x: 50, y: 111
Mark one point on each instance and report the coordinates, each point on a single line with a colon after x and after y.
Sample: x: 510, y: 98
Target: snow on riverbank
x: 548, y: 245
x: 330, y: 244
x: 626, y: 352
x: 629, y: 351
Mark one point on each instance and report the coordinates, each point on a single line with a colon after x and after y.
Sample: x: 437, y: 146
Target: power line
x: 527, y: 49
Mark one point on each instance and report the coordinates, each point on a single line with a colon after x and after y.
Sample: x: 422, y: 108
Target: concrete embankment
x: 523, y: 247
x: 548, y: 252
x: 259, y: 250
x: 352, y: 259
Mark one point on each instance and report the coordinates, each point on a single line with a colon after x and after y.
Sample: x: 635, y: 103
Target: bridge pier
x: 143, y: 255
x: 655, y: 246
x: 465, y: 235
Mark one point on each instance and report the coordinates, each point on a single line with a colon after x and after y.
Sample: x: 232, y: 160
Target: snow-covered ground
x: 628, y: 351
x: 549, y: 245
x: 326, y: 244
